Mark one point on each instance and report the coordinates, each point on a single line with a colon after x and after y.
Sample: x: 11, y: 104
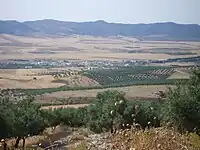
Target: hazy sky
x: 125, y: 11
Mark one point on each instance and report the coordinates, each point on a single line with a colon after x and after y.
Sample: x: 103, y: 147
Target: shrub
x: 146, y: 114
x: 183, y: 104
x: 106, y: 107
x: 112, y: 110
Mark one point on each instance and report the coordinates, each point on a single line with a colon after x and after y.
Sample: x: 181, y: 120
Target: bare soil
x: 178, y: 74
x: 141, y: 91
x: 64, y: 106
x: 24, y: 79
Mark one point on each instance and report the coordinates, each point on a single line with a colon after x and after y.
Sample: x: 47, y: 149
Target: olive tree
x: 23, y: 119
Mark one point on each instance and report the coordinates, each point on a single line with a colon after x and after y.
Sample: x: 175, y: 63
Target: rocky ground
x: 81, y: 139
x: 63, y: 138
x: 91, y: 142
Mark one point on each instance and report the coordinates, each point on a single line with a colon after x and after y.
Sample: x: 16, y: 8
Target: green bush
x: 100, y: 110
x: 74, y: 117
x: 147, y: 113
x: 112, y: 109
x: 20, y: 119
x: 183, y: 104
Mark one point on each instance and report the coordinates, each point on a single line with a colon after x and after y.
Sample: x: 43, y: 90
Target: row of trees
x: 110, y: 110
x: 129, y: 75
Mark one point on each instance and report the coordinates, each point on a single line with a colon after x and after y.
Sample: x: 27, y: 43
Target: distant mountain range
x: 162, y: 31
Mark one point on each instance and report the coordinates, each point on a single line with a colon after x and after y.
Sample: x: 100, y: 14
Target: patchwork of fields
x: 139, y: 82
x: 41, y: 78
x: 131, y: 75
x: 93, y: 48
x: 52, y: 84
x: 42, y: 81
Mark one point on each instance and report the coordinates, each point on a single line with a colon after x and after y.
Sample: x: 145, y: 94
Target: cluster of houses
x: 49, y: 63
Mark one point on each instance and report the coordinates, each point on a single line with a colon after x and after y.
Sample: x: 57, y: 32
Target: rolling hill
x: 166, y: 30
x: 14, y: 27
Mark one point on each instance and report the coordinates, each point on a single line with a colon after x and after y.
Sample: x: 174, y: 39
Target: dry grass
x: 87, y: 46
x: 145, y: 91
x: 41, y: 82
x: 154, y: 139
x: 80, y: 81
x: 64, y: 106
x: 162, y: 138
x: 150, y: 139
x: 79, y: 146
x: 48, y: 136
x: 179, y: 75
x: 23, y: 78
x: 100, y: 55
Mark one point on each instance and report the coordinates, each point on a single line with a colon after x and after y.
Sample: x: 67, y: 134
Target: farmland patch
x: 130, y: 75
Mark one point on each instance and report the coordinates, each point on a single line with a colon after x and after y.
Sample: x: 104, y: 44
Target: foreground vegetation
x: 162, y: 138
x: 155, y: 138
x: 109, y: 112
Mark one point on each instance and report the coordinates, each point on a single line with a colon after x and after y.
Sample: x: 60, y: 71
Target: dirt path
x: 65, y: 106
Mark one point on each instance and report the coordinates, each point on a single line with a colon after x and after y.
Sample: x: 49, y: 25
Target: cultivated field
x: 131, y: 75
x: 93, y: 48
x: 39, y: 78
x: 52, y: 79
x: 132, y: 92
x: 90, y: 48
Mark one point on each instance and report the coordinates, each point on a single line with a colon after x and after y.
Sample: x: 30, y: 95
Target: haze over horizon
x: 116, y: 11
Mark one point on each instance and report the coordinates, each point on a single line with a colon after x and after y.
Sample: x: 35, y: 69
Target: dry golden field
x: 179, y: 74
x: 24, y: 79
x: 87, y: 48
x: 76, y: 47
x: 141, y: 91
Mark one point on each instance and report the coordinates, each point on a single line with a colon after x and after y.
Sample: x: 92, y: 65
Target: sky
x: 119, y: 11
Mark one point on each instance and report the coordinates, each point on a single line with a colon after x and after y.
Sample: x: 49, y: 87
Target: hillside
x: 155, y: 31
x: 14, y: 27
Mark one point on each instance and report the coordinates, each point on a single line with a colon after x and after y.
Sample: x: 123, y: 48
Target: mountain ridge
x: 161, y: 30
